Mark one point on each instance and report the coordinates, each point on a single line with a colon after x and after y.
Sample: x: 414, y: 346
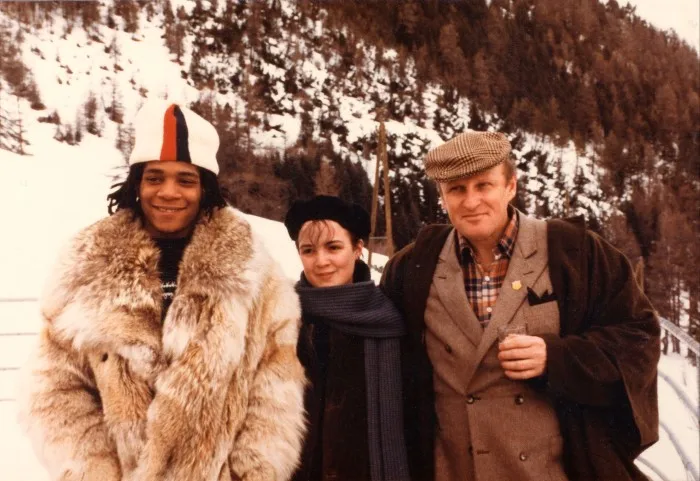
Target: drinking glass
x: 511, y: 330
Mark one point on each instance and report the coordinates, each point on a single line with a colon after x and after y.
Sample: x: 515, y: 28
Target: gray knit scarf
x: 362, y: 309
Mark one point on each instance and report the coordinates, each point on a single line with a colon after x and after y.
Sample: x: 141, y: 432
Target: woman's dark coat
x: 609, y: 337
x: 336, y: 402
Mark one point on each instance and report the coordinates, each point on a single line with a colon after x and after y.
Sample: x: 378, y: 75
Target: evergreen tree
x: 481, y: 83
x: 90, y: 14
x: 325, y: 182
x: 129, y: 11
x: 90, y: 115
x: 455, y: 63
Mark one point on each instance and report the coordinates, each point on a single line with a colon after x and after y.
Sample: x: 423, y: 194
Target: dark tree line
x: 582, y: 71
x: 578, y: 71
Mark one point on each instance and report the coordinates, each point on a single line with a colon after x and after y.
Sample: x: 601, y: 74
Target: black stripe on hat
x: 182, y: 136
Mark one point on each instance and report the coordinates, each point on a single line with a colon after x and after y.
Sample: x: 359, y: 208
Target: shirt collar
x: 505, y: 245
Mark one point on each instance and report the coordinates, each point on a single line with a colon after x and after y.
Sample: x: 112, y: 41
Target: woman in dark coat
x: 349, y: 346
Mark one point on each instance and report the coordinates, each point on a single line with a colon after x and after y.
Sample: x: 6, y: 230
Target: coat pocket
x: 556, y: 466
x: 540, y: 459
x: 542, y: 318
x: 125, y: 399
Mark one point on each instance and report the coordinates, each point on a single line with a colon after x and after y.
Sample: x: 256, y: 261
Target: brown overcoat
x: 601, y: 366
x: 213, y: 393
x: 472, y: 395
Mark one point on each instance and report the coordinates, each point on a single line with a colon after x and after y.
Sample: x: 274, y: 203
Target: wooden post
x: 373, y: 219
x: 639, y: 271
x: 20, y: 129
x: 387, y: 190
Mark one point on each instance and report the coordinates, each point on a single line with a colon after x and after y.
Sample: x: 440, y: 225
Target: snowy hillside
x: 62, y: 199
x: 290, y: 84
x: 303, y: 93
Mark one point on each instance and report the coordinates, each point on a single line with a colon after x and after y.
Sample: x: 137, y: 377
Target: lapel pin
x: 516, y: 285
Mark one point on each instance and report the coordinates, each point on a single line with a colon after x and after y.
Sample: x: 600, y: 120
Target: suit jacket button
x: 519, y: 399
x: 470, y: 399
x: 523, y: 457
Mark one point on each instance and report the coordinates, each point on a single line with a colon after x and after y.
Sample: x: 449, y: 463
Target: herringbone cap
x: 467, y: 154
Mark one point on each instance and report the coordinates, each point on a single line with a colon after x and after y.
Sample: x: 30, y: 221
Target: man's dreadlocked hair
x: 126, y: 194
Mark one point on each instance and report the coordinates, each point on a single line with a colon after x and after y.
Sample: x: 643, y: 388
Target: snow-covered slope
x: 45, y: 202
x: 57, y: 189
x: 309, y: 86
x: 681, y: 16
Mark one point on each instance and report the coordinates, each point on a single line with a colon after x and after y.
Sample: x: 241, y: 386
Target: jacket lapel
x: 105, y: 301
x: 112, y: 303
x: 218, y: 278
x: 527, y: 264
x: 449, y: 284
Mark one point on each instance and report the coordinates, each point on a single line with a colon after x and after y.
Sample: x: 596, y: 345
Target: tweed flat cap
x: 466, y: 154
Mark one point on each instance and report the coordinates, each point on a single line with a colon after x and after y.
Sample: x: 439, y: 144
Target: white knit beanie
x: 167, y: 131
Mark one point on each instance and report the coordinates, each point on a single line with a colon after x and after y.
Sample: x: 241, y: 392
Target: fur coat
x: 212, y: 393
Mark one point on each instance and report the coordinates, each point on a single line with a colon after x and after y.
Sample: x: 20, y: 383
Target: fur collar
x: 105, y: 293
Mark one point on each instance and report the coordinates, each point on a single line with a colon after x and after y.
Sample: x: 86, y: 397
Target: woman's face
x: 327, y: 253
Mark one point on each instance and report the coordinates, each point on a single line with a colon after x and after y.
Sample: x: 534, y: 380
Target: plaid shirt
x: 483, y: 283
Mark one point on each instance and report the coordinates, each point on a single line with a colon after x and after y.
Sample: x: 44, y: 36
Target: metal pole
x: 681, y: 395
x: 656, y: 470
x: 685, y: 457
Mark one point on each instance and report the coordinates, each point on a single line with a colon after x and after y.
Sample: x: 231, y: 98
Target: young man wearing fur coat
x: 168, y: 347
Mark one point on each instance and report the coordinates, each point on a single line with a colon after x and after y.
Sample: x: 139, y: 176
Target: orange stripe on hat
x: 169, y: 149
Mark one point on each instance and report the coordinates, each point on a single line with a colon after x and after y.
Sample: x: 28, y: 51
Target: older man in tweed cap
x: 532, y: 350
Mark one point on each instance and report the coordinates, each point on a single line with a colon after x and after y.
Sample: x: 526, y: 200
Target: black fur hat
x: 325, y: 207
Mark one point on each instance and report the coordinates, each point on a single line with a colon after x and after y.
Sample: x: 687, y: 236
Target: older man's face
x: 478, y: 205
